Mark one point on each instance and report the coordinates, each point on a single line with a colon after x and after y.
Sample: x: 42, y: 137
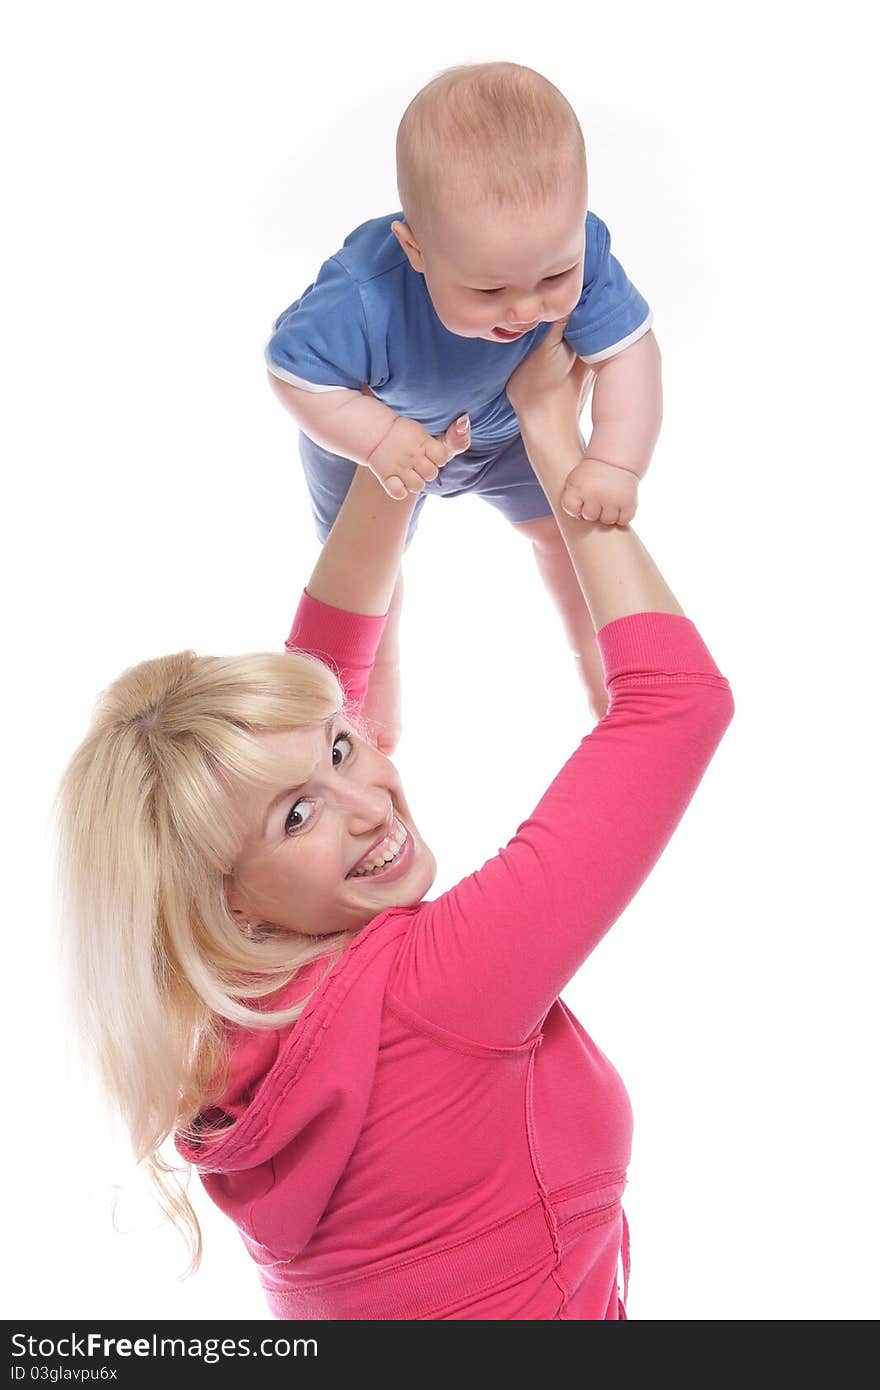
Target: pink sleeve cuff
x: 346, y: 642
x: 654, y: 643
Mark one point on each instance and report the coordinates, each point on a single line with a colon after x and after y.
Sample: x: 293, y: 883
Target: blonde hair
x: 494, y: 132
x: 147, y: 833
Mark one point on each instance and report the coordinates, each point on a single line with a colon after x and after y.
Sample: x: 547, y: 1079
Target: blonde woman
x: 384, y: 1092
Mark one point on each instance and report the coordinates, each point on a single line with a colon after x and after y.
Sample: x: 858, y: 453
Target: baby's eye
x: 498, y: 291
x: 294, y: 819
x: 560, y: 275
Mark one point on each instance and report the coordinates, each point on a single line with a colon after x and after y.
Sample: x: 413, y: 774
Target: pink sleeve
x: 346, y: 642
x: 487, y: 959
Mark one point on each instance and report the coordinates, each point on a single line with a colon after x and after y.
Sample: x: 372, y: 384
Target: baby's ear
x: 409, y: 245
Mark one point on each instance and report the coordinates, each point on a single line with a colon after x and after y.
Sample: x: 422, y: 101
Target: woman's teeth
x: 388, y: 850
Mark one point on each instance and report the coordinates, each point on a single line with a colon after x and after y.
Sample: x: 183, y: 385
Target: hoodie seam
x: 540, y: 1182
x: 455, y: 1042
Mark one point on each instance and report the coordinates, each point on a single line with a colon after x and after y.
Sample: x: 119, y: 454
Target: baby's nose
x: 525, y: 312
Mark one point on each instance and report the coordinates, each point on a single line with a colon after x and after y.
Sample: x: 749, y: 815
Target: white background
x: 176, y: 175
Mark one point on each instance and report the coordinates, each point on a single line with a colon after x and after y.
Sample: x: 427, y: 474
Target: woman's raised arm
x: 487, y: 959
x: 358, y: 565
x: 343, y: 609
x: 616, y: 574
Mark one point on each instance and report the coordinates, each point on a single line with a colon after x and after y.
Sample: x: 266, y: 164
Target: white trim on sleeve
x: 300, y: 381
x: 624, y: 342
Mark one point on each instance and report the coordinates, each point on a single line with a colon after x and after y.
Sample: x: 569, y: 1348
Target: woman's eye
x: 295, y: 819
x: 342, y: 738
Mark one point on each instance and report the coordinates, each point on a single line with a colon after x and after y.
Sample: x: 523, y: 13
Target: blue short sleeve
x: 320, y: 342
x: 610, y: 314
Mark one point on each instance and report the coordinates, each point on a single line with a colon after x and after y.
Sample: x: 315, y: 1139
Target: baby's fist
x: 597, y: 491
x: 408, y: 457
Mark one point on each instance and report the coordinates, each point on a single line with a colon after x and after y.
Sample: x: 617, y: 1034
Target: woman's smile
x: 399, y: 845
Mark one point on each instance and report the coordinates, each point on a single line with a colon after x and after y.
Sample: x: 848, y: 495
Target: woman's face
x: 334, y: 799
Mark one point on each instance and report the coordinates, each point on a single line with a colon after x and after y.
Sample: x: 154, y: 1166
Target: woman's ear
x: 236, y: 903
x: 249, y: 922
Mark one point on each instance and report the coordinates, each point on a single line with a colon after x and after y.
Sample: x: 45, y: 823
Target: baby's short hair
x: 498, y: 132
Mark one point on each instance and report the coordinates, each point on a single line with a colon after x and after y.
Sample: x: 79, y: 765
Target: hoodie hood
x: 297, y: 1097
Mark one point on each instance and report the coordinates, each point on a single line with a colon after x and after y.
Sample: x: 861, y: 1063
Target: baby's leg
x: 554, y: 564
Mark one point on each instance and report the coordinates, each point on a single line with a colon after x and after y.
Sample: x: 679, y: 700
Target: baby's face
x: 496, y: 274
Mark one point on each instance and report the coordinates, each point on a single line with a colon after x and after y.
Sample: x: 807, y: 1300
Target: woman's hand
x: 552, y: 381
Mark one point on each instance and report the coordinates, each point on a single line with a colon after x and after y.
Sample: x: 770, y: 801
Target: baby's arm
x: 627, y: 411
x: 400, y: 452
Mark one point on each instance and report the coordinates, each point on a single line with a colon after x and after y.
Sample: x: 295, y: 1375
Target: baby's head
x: 492, y: 176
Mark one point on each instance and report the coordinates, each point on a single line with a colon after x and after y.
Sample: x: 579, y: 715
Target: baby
x: 398, y: 355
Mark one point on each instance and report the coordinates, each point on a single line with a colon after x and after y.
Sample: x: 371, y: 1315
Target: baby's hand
x: 598, y: 491
x: 408, y: 457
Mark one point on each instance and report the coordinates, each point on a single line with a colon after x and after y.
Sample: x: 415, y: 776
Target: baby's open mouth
x: 510, y: 334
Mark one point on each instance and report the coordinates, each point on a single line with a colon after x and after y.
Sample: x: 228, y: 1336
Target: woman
x: 384, y: 1093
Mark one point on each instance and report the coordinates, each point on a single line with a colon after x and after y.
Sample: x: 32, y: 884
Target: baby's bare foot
x: 381, y: 709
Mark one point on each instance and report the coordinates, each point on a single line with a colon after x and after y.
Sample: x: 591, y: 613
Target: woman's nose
x: 369, y: 813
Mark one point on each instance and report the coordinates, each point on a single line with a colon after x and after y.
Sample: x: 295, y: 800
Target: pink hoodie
x: 437, y: 1136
